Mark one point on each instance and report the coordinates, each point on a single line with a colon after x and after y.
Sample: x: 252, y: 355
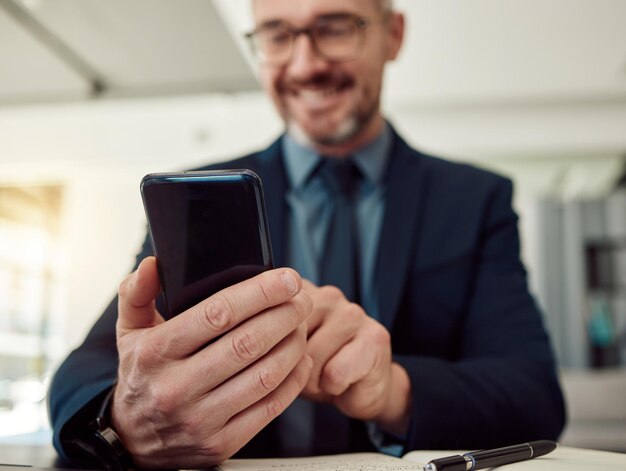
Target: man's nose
x: 305, y: 60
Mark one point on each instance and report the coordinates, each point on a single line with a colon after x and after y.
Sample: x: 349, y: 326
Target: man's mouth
x: 319, y: 92
x: 313, y: 96
x: 319, y: 97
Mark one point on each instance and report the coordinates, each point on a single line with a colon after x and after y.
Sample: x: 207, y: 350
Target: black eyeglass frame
x: 360, y: 23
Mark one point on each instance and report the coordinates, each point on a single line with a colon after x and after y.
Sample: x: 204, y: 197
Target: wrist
x: 396, y: 415
x: 107, y: 442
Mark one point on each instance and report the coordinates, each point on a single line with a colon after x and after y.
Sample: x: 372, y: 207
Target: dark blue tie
x: 339, y: 265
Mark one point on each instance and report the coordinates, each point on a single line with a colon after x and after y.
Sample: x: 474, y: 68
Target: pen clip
x: 470, y: 462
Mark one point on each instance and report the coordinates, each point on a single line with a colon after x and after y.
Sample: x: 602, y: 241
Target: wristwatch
x: 106, y: 442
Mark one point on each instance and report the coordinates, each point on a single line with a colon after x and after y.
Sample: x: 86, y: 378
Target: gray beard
x: 348, y: 129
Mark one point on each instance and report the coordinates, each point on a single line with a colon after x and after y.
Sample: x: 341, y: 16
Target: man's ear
x: 395, y: 39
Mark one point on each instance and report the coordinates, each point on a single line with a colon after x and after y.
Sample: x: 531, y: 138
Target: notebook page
x: 346, y: 462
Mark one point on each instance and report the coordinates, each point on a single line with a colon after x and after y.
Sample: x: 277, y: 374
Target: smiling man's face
x: 330, y: 102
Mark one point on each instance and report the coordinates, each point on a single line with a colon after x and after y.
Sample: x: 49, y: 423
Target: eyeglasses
x: 335, y: 38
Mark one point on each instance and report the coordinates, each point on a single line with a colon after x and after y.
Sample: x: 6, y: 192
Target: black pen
x: 490, y: 458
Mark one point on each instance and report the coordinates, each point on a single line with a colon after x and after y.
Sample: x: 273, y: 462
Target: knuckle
x: 144, y: 354
x: 216, y: 447
x: 263, y: 291
x: 215, y: 315
x: 160, y: 348
x: 353, y: 312
x: 163, y: 401
x: 265, y: 381
x: 246, y: 346
x: 274, y: 408
x: 331, y: 292
x: 334, y: 374
x: 380, y: 336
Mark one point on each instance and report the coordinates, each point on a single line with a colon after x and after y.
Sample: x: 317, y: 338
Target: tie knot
x: 341, y: 175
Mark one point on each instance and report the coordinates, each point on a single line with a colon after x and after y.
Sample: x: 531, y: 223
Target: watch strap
x: 115, y: 456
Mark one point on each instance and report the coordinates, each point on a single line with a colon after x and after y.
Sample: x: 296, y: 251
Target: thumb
x: 136, y: 306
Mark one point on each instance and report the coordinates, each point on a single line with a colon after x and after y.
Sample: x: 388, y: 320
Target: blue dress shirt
x: 311, y: 207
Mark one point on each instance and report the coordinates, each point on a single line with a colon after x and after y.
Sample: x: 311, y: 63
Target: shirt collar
x: 301, y: 161
x: 372, y: 159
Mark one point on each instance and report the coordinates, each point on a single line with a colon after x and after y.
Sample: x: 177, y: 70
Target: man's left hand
x: 352, y: 365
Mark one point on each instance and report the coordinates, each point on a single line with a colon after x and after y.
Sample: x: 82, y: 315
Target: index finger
x: 207, y: 320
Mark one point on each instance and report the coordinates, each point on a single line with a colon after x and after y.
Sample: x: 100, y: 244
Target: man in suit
x: 428, y: 339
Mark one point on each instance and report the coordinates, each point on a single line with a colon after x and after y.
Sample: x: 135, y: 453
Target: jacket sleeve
x: 502, y: 388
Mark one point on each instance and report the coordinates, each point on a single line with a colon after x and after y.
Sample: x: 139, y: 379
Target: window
x: 31, y: 300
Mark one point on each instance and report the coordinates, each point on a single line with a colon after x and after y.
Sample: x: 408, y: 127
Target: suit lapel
x: 272, y: 173
x: 404, y: 204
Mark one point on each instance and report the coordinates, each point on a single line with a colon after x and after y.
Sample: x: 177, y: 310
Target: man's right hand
x: 182, y: 402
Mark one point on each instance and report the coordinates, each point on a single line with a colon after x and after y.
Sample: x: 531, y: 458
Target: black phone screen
x: 208, y: 231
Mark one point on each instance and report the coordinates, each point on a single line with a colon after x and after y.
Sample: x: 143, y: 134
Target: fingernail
x: 290, y: 282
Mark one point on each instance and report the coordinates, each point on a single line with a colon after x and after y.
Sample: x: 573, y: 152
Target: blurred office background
x: 95, y: 94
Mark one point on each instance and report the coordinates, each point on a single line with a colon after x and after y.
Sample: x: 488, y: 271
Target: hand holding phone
x: 194, y: 389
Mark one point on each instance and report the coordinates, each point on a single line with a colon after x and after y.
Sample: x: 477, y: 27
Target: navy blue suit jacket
x: 453, y: 294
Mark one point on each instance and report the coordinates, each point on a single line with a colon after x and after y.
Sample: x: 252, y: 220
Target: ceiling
x: 457, y: 52
x: 72, y: 49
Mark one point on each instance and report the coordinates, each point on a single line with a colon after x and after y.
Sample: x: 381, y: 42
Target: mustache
x: 317, y: 80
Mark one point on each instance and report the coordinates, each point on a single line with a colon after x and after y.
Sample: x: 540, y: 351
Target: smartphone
x: 208, y: 231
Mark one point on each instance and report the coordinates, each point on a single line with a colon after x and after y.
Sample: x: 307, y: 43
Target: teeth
x: 314, y: 95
